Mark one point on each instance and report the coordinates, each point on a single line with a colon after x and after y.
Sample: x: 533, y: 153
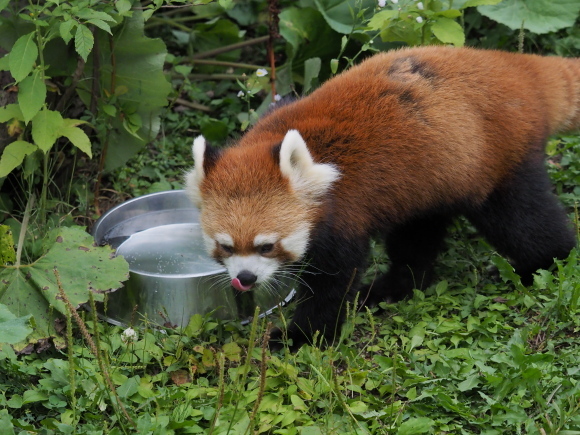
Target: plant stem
x: 231, y: 47
x: 23, y: 228
x: 227, y: 64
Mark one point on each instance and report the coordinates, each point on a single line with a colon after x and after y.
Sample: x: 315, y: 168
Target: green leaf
x: 83, y: 41
x: 3, y: 4
x: 9, y: 112
x: 123, y: 6
x: 341, y: 15
x: 78, y: 138
x: 448, y: 31
x: 13, y: 329
x: 45, y: 128
x: 334, y: 65
x: 100, y: 24
x: 13, y: 156
x: 83, y: 267
x: 22, y: 57
x: 379, y: 20
x: 7, y: 254
x: 311, y: 72
x: 469, y: 384
x: 472, y: 3
x: 538, y: 16
x: 65, y: 30
x: 31, y: 95
x: 5, y: 63
x: 6, y: 422
x: 90, y: 14
x: 415, y: 425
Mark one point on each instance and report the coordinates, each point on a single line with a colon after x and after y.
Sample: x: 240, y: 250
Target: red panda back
x: 427, y: 127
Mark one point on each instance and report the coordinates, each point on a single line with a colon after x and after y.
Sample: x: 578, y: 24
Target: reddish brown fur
x: 389, y: 120
x: 419, y: 135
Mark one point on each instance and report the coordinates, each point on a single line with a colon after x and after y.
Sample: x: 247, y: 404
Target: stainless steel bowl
x: 171, y: 277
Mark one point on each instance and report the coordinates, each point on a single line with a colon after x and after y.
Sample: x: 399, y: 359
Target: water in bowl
x: 175, y: 250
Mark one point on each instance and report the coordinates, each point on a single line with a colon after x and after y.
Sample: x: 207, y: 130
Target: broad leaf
x: 538, y: 16
x: 22, y: 57
x: 10, y: 111
x: 463, y: 4
x: 101, y: 25
x: 5, y: 63
x: 416, y: 425
x: 84, y: 41
x: 341, y: 15
x: 308, y: 36
x: 13, y: 156
x: 65, y: 30
x: 78, y: 138
x: 13, y: 329
x: 45, y: 127
x: 83, y: 267
x: 380, y: 19
x: 311, y: 72
x: 31, y: 95
x: 7, y: 254
x: 139, y: 70
x: 448, y: 31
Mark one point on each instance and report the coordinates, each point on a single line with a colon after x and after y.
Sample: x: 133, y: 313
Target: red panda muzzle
x: 244, y: 281
x: 237, y: 284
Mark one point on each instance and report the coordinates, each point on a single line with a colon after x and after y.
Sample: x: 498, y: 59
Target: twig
x: 226, y: 64
x: 231, y: 47
x: 193, y: 105
x: 273, y: 33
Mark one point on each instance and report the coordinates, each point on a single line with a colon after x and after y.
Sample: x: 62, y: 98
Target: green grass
x: 473, y: 354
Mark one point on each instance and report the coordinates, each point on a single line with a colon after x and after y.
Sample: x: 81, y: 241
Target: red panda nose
x: 244, y: 281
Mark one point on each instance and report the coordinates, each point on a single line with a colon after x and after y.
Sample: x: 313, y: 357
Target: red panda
x: 394, y: 147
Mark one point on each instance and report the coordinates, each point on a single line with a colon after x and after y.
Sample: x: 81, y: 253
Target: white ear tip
x: 198, y: 147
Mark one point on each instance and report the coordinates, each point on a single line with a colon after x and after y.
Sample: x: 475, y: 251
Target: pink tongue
x: 236, y: 283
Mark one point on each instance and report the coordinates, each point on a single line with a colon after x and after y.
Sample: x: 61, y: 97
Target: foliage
x: 465, y: 356
x: 83, y: 267
x: 468, y: 355
x: 538, y: 16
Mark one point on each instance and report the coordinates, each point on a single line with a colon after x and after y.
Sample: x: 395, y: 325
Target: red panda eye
x: 227, y: 249
x: 266, y: 248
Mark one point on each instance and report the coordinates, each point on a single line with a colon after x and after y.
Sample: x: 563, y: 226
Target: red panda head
x: 258, y: 203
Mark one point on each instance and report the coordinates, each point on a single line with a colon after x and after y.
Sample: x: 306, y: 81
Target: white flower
x: 261, y: 72
x: 129, y: 335
x: 382, y: 3
x: 395, y: 1
x: 419, y: 20
x: 277, y: 97
x: 240, y: 94
x: 420, y: 6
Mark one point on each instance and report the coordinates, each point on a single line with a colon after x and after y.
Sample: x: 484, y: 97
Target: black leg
x: 525, y: 221
x: 412, y: 248
x: 328, y: 283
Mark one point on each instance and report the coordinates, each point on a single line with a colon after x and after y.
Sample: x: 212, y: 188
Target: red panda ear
x: 309, y: 179
x: 204, y: 157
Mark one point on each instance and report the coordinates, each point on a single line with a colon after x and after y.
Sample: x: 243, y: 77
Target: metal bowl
x: 171, y: 277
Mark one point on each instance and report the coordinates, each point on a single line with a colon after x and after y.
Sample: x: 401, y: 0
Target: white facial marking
x: 263, y: 239
x: 209, y: 243
x: 260, y: 266
x: 297, y: 242
x: 224, y: 239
